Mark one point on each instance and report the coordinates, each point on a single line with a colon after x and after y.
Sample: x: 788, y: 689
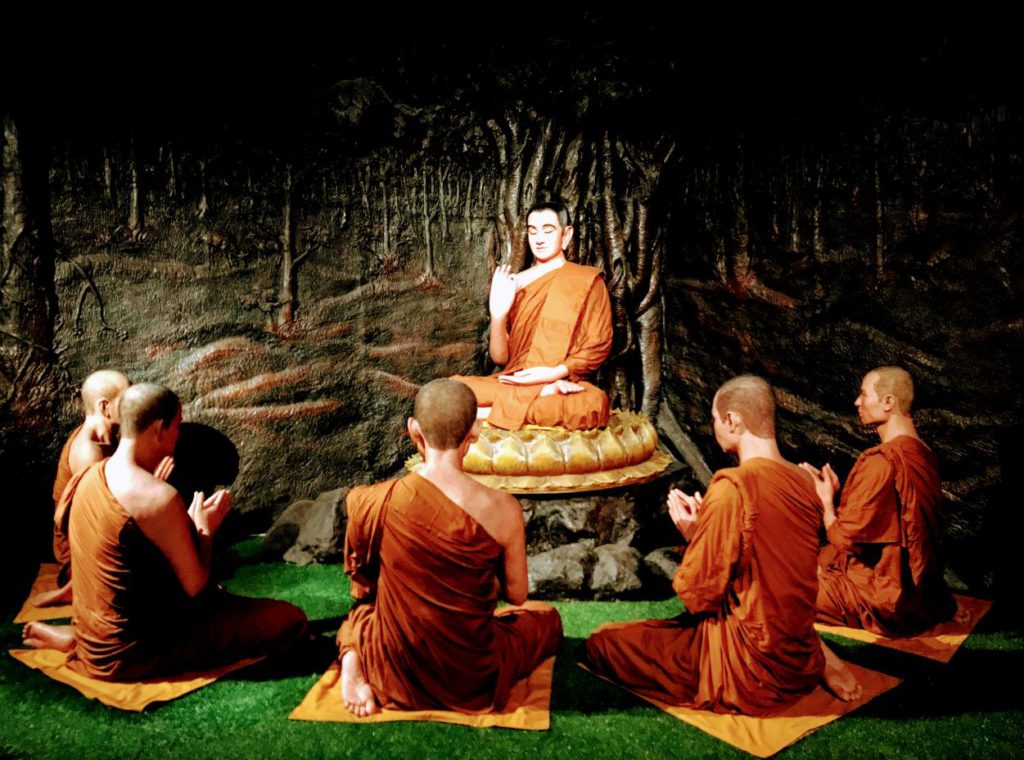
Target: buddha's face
x: 546, y: 235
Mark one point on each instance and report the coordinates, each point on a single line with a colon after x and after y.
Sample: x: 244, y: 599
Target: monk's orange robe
x: 746, y: 643
x: 132, y: 619
x: 563, y: 317
x: 61, y: 548
x: 883, y: 570
x: 64, y: 466
x: 425, y: 580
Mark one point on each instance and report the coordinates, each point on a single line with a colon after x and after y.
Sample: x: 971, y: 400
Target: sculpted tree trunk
x: 108, y: 178
x: 428, y: 266
x: 136, y: 212
x: 288, y: 296
x: 633, y: 259
x: 525, y: 149
x: 28, y: 298
x: 172, y: 174
x: 879, y: 209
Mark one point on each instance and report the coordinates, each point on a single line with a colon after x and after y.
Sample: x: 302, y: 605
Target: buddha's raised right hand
x: 503, y: 292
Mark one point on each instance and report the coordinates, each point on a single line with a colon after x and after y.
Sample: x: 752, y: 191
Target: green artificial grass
x: 969, y: 708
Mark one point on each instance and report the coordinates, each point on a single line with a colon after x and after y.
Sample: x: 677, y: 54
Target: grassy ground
x: 968, y: 708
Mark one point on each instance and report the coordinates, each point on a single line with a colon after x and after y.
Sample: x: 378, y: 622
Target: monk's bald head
x: 445, y: 411
x: 752, y: 399
x: 144, y: 404
x: 105, y: 384
x: 895, y: 382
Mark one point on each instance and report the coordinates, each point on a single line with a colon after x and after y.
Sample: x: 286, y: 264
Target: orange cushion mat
x: 528, y: 708
x: 939, y: 643
x: 45, y: 581
x: 134, y: 696
x: 764, y: 736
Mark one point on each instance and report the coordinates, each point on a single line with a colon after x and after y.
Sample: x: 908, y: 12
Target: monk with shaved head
x: 429, y: 556
x: 883, y: 570
x: 143, y: 605
x: 90, y: 442
x: 746, y: 643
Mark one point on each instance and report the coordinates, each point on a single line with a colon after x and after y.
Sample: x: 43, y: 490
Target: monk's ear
x: 416, y: 434
x: 733, y: 421
x: 889, y: 403
x: 474, y: 432
x: 566, y: 237
x: 104, y: 407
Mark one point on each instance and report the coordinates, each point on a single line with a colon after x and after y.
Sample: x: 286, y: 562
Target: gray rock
x: 616, y: 571
x: 604, y: 517
x: 662, y: 563
x: 310, y: 531
x: 560, y: 573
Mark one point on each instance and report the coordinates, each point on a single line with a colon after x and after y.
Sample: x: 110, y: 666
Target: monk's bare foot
x: 355, y: 691
x: 52, y: 598
x: 839, y: 679
x: 563, y: 387
x: 44, y: 636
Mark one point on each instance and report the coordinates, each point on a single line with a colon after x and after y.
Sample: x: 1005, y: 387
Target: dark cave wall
x: 895, y: 243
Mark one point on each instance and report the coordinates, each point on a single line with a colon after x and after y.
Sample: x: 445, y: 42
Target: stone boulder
x: 604, y: 518
x: 662, y: 563
x: 562, y: 572
x: 616, y: 572
x: 310, y: 531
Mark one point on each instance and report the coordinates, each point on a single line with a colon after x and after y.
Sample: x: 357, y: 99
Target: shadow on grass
x: 972, y: 682
x: 575, y: 691
x: 968, y: 684
x: 307, y: 658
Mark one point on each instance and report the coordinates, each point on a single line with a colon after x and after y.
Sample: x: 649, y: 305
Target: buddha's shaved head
x: 898, y: 383
x: 144, y: 404
x: 105, y: 384
x: 751, y: 397
x: 445, y: 410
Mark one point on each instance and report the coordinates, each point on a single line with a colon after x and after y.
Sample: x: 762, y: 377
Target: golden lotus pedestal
x: 547, y: 460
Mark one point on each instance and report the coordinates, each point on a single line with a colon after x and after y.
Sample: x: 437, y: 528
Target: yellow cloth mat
x: 45, y: 581
x: 528, y: 708
x: 134, y: 696
x: 940, y: 643
x: 764, y: 736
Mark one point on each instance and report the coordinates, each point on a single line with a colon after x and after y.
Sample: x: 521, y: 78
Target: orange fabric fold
x: 131, y: 696
x: 763, y: 736
x: 528, y: 707
x: 64, y: 473
x: 45, y: 581
x: 939, y: 643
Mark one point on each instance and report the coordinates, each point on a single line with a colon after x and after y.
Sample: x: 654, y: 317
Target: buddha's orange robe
x: 425, y: 579
x: 563, y: 317
x: 746, y: 643
x: 883, y: 570
x: 130, y: 616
